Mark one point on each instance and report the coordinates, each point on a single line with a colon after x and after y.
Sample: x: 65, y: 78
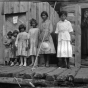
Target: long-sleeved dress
x: 22, y: 43
x: 63, y: 30
x: 46, y: 30
x: 34, y: 33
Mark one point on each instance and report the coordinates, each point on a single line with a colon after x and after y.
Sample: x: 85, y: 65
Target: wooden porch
x: 49, y: 76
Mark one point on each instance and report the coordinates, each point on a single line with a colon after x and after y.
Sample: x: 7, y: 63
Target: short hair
x: 44, y: 13
x: 63, y: 13
x: 9, y: 33
x: 22, y: 26
x: 33, y: 20
x: 15, y: 31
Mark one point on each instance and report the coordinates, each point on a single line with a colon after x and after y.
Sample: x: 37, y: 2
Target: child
x: 22, y: 44
x: 8, y: 45
x: 33, y: 32
x: 47, y: 46
x: 14, y: 49
x: 64, y: 29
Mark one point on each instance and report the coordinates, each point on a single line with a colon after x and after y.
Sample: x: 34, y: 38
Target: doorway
x: 84, y: 36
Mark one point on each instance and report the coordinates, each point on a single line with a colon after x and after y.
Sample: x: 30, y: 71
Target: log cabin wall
x: 25, y: 11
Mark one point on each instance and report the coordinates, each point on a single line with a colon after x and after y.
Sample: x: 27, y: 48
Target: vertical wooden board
x: 47, y: 8
x: 23, y: 6
x: 28, y: 14
x: 52, y: 13
x: 78, y: 38
x: 16, y: 7
x: 6, y: 7
x: 44, y: 6
x: 33, y: 10
x: 1, y: 36
x: 37, y: 13
x: 40, y: 4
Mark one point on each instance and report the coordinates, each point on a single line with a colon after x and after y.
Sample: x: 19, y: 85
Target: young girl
x: 14, y: 49
x: 64, y: 29
x: 22, y: 44
x: 47, y: 46
x: 8, y: 46
x: 33, y: 32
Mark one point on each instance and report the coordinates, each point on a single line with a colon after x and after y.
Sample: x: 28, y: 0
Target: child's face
x: 44, y: 17
x: 33, y: 24
x: 22, y: 30
x: 15, y: 34
x: 63, y: 17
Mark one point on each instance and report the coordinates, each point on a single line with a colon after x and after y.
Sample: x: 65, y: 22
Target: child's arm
x: 16, y: 42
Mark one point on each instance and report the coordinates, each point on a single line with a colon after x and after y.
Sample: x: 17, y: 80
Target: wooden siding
x: 32, y: 9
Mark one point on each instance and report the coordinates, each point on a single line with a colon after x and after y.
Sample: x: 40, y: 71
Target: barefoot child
x: 33, y: 32
x: 22, y: 44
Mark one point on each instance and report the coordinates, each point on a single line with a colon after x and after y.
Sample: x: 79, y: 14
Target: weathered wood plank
x: 23, y: 6
x: 73, y: 71
x: 33, y: 10
x: 57, y: 71
x: 1, y: 35
x: 29, y: 71
x: 15, y: 80
x: 16, y: 7
x: 6, y: 7
x: 46, y: 70
x: 9, y: 69
x: 82, y: 73
x: 77, y: 38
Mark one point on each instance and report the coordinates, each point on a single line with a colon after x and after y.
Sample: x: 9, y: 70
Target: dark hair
x: 63, y: 13
x: 33, y: 20
x: 44, y: 13
x: 22, y: 26
x: 15, y: 31
x: 9, y: 33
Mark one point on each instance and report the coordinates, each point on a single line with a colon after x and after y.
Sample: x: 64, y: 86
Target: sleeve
x: 56, y: 29
x: 16, y: 42
x: 70, y: 29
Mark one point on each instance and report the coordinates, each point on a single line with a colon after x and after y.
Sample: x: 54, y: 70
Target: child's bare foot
x: 24, y: 65
x: 21, y: 64
x: 31, y: 65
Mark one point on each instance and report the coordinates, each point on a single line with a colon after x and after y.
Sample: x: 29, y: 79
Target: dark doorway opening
x: 84, y: 36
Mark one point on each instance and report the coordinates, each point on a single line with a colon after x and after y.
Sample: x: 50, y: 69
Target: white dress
x: 22, y: 43
x: 33, y: 32
x: 63, y: 30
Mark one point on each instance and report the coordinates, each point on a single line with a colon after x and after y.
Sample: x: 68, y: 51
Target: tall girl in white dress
x: 64, y: 29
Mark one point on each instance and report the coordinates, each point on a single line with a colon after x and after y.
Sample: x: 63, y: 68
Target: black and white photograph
x: 44, y: 44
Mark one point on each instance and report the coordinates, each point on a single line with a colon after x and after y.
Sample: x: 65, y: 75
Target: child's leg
x: 33, y: 59
x: 25, y: 63
x: 21, y: 60
x: 47, y: 60
x: 60, y: 62
x: 68, y: 65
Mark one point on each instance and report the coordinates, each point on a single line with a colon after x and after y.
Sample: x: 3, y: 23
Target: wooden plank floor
x: 78, y: 73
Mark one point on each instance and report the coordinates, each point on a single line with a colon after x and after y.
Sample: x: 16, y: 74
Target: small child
x: 8, y: 45
x: 14, y: 49
x: 22, y: 44
x: 33, y: 32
